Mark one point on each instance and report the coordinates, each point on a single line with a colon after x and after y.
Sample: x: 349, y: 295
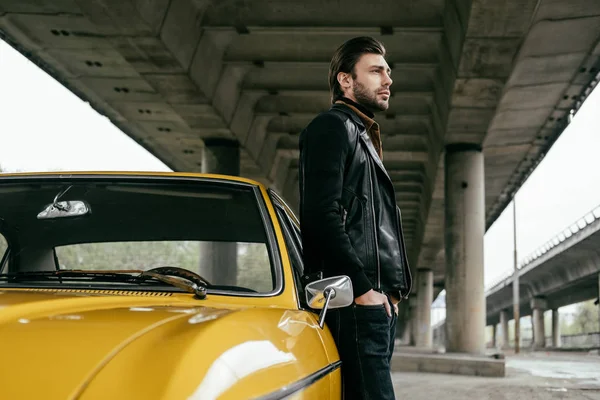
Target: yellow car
x: 159, y: 286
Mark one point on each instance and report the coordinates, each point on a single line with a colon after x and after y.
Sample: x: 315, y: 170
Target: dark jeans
x: 364, y: 336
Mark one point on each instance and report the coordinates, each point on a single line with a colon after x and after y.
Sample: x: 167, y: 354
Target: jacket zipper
x: 375, y: 231
x: 405, y: 257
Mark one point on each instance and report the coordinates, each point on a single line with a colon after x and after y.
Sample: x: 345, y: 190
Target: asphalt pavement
x: 529, y: 376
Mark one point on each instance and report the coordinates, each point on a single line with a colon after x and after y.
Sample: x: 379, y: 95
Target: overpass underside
x: 481, y: 91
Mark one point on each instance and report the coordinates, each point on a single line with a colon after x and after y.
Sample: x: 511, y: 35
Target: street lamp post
x: 516, y: 310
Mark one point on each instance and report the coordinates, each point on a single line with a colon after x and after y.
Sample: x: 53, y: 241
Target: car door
x: 293, y: 240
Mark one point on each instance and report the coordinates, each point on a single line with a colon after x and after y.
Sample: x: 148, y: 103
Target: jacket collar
x: 347, y: 110
x: 360, y: 107
x: 363, y: 137
x: 371, y: 150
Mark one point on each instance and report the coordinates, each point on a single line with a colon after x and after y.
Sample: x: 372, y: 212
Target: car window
x: 293, y: 249
x: 220, y: 230
x: 291, y: 219
x: 251, y: 259
x: 293, y: 242
x: 293, y: 252
x: 295, y: 231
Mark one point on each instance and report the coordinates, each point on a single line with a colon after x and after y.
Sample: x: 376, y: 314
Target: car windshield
x: 212, y: 228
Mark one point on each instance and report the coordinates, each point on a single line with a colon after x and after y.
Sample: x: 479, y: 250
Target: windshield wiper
x: 181, y: 278
x: 178, y: 277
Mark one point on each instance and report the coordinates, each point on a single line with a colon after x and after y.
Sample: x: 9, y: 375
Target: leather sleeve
x: 324, y: 149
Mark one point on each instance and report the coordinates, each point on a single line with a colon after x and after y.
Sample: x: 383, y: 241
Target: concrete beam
x: 261, y: 13
x: 393, y: 156
x: 227, y: 93
x: 408, y: 187
x: 553, y: 36
x: 207, y: 65
x: 54, y: 7
x: 281, y: 168
x: 183, y: 20
x: 295, y: 76
x: 273, y: 45
x: 243, y: 117
x: 291, y: 102
x: 539, y: 303
x: 175, y: 88
x: 472, y: 93
x: 489, y: 58
x: 545, y: 70
x: 126, y: 18
x: 257, y: 135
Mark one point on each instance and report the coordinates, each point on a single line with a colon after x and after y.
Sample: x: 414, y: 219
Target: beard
x: 367, y: 98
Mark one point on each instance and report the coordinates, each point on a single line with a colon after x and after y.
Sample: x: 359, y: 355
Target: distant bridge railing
x: 582, y: 340
x: 587, y: 219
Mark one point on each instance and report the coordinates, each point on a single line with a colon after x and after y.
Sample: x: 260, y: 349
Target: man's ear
x: 345, y: 80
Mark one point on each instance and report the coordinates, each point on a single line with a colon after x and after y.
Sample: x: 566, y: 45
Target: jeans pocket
x: 372, y: 310
x: 372, y: 330
x: 373, y: 313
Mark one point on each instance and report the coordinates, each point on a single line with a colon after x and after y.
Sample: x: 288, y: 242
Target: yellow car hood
x: 56, y: 342
x: 68, y: 345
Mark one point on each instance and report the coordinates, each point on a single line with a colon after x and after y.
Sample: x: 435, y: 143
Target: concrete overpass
x: 482, y: 89
x: 563, y: 271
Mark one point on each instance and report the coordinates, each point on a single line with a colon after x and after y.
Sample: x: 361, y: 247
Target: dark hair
x: 345, y: 58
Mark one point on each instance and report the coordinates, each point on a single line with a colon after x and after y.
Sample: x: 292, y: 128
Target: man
x: 349, y: 218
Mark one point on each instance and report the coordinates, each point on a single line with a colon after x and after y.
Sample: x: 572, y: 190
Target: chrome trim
x: 285, y: 228
x: 273, y: 247
x: 301, y: 384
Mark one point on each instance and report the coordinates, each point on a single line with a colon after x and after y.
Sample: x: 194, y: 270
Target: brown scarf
x: 372, y: 128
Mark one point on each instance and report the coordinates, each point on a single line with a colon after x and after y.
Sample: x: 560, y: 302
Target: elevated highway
x: 563, y: 271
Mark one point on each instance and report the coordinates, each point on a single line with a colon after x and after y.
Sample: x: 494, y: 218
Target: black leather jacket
x: 350, y: 222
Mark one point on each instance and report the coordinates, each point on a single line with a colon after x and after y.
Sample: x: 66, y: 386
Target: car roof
x: 129, y: 174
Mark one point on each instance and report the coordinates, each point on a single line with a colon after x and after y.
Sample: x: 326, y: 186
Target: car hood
x: 69, y: 337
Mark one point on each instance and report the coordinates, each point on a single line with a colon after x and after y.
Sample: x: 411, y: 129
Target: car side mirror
x: 334, y: 292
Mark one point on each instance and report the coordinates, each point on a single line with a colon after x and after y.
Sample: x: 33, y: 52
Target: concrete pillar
x: 218, y: 260
x: 504, y: 342
x: 412, y: 301
x: 495, y: 336
x: 538, y: 305
x: 406, y: 337
x: 555, y: 328
x: 464, y: 230
x: 424, y: 300
x: 221, y: 156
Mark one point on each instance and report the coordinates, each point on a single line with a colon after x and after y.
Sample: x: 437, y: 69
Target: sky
x: 563, y: 188
x: 44, y: 127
